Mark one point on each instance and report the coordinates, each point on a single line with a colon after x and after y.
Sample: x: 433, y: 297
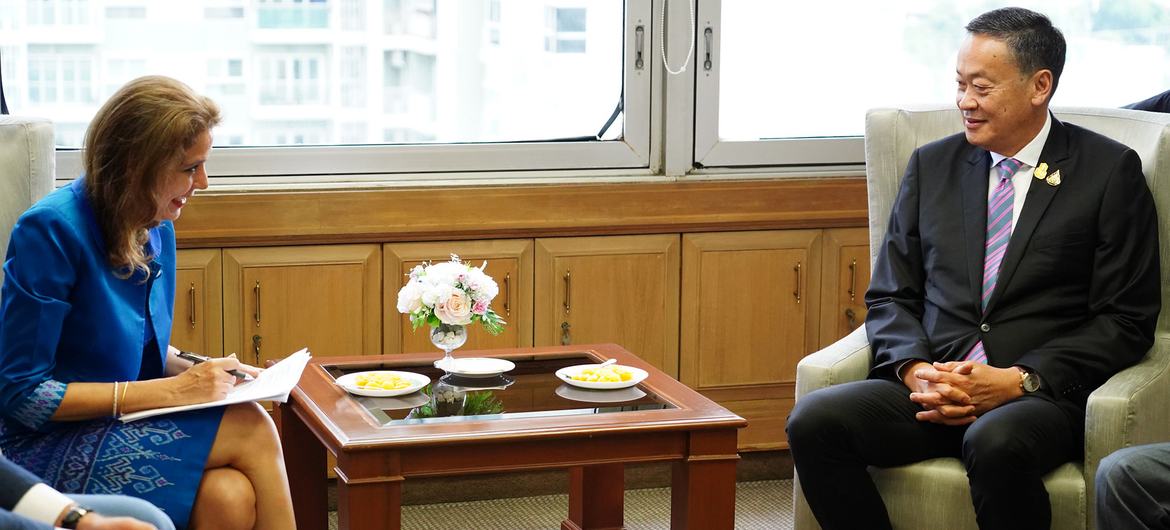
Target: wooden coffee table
x: 381, y: 442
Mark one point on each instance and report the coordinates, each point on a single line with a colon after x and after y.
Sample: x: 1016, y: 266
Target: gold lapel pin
x: 1041, y: 170
x: 1054, y: 178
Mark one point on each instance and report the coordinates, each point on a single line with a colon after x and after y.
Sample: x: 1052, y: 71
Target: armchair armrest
x: 1131, y: 408
x: 846, y: 360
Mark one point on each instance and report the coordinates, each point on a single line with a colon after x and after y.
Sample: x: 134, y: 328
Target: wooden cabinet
x: 198, y: 324
x: 620, y: 289
x: 280, y: 299
x: 845, y: 281
x: 749, y: 314
x: 509, y: 263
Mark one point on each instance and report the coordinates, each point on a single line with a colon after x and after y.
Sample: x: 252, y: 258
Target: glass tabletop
x: 529, y: 390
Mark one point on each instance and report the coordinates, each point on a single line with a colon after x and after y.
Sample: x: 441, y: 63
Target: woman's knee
x: 252, y: 426
x: 225, y: 500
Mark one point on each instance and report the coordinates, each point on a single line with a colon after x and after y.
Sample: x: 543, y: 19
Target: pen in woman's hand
x: 195, y: 358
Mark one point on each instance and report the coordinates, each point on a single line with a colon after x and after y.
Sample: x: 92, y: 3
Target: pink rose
x: 455, y: 310
x: 480, y: 307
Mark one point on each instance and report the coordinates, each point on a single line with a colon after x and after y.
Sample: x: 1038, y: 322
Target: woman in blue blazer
x: 85, y: 320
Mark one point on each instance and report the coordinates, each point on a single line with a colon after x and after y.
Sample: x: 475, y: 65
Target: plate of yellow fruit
x: 382, y: 383
x: 601, y: 377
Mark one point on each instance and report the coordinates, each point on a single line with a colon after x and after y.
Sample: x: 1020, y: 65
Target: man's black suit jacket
x: 1077, y: 297
x: 14, y: 483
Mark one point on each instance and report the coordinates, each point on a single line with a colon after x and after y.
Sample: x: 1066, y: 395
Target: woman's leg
x: 245, y: 467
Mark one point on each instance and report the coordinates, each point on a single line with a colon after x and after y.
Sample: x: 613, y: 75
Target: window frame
x: 845, y: 153
x: 631, y: 154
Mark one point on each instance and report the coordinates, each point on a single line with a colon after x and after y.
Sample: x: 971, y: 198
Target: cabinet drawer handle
x: 191, y: 304
x: 853, y: 281
x: 508, y: 295
x: 256, y: 301
x: 568, y: 290
x: 796, y: 292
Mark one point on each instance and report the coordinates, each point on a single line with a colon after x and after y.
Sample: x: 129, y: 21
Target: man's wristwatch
x: 1029, y: 382
x: 73, y: 516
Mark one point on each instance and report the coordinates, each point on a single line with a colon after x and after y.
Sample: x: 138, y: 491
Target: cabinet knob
x: 565, y: 338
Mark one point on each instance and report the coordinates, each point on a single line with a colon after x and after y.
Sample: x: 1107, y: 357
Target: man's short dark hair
x: 1033, y: 40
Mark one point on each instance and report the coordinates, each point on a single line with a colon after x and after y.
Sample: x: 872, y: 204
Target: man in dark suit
x: 26, y: 503
x: 1019, y: 271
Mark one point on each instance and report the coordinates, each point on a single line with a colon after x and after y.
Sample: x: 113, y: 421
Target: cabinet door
x: 280, y: 299
x: 748, y: 317
x: 846, y: 278
x: 619, y: 289
x: 198, y: 324
x: 509, y: 263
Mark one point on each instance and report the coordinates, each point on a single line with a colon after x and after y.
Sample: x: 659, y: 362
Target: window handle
x: 639, y: 46
x: 707, y: 56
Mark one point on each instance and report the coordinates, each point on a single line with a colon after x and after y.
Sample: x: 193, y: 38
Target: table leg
x: 304, y: 459
x: 702, y: 495
x: 369, y: 491
x: 596, y: 497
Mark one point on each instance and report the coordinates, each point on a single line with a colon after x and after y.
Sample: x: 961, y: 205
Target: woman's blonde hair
x: 130, y: 148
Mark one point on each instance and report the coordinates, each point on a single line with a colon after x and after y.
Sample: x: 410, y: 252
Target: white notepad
x: 273, y: 384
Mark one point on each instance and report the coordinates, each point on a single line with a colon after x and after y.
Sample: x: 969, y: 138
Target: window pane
x: 784, y: 77
x: 409, y: 76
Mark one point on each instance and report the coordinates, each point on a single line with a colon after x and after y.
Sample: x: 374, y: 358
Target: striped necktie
x: 999, y: 231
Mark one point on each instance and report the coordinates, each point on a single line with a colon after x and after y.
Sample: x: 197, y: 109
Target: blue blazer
x: 1077, y: 297
x: 64, y: 314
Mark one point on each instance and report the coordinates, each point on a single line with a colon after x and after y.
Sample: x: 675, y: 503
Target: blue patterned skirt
x: 159, y: 459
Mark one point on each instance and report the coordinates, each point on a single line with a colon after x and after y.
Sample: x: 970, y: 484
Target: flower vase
x: 447, y: 337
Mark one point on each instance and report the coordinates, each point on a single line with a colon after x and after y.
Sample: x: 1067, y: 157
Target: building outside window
x: 287, y: 14
x: 565, y: 30
x: 292, y: 79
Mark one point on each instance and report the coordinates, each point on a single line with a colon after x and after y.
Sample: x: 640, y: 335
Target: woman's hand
x: 207, y: 381
x: 247, y: 369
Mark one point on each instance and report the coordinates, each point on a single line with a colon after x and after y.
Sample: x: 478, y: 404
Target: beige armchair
x: 1132, y: 408
x: 27, y: 160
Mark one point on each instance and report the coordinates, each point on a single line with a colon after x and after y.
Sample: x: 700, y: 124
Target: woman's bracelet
x: 125, y: 387
x: 114, y: 412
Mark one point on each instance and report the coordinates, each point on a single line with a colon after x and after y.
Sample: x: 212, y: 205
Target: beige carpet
x: 760, y: 505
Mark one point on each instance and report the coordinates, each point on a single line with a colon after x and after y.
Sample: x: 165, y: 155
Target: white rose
x: 455, y: 310
x: 433, y: 295
x: 409, y: 298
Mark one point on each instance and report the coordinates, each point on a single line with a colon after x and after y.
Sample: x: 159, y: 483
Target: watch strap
x: 73, y: 517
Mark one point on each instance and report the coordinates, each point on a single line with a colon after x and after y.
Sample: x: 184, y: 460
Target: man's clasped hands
x: 958, y: 392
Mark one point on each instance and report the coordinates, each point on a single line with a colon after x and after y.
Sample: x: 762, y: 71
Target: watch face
x: 1031, y: 382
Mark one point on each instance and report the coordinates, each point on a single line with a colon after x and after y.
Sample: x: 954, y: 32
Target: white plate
x: 566, y: 374
x: 417, y: 381
x: 600, y: 396
x: 476, y: 366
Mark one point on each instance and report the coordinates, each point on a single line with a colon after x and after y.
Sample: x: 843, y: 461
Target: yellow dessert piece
x: 608, y: 374
x: 381, y: 382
